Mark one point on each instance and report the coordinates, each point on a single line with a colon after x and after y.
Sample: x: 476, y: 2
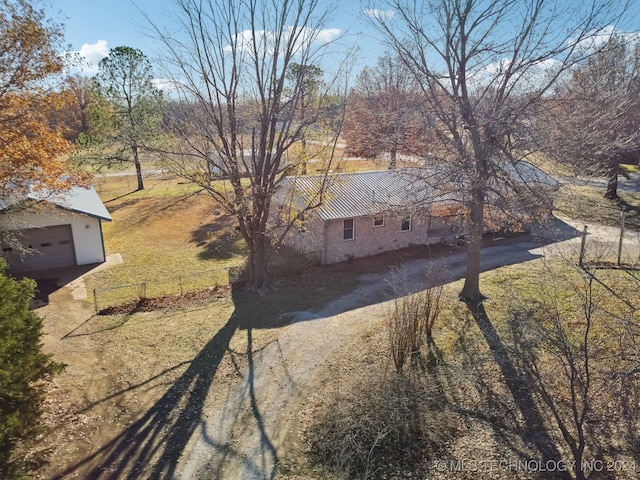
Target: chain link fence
x: 625, y: 253
x: 173, y: 285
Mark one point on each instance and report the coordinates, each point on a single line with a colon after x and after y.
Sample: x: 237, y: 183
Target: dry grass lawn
x: 133, y: 378
x: 169, y: 233
x: 481, y: 413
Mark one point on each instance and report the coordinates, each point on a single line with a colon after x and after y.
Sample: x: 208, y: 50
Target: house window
x: 348, y: 230
x: 378, y: 221
x: 406, y: 224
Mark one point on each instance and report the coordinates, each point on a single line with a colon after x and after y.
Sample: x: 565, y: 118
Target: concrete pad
x: 78, y: 285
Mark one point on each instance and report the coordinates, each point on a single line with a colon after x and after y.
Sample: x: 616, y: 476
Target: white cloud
x: 597, y: 39
x: 167, y: 85
x: 328, y: 35
x: 266, y: 39
x: 537, y: 75
x: 86, y: 59
x: 93, y: 53
x: 380, y: 14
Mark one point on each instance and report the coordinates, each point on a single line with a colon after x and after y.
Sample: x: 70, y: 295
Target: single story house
x: 56, y: 230
x: 365, y: 213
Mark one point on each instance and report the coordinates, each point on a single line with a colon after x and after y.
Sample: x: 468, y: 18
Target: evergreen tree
x: 23, y: 368
x: 127, y: 111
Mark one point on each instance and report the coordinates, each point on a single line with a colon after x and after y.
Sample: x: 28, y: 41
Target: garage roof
x: 80, y: 200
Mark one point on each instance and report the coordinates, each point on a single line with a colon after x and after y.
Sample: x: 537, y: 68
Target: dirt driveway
x: 243, y: 438
x: 236, y: 429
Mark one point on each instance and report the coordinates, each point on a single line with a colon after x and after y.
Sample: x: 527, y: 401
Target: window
x: 348, y: 230
x: 378, y: 221
x: 46, y: 244
x: 406, y: 224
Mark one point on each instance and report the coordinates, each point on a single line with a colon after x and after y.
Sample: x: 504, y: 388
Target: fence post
x: 622, y: 218
x: 95, y: 300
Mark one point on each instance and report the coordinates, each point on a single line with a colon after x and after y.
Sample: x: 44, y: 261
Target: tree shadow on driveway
x: 152, y: 446
x: 156, y: 444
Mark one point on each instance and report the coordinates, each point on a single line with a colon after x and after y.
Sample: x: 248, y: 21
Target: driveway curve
x: 243, y: 437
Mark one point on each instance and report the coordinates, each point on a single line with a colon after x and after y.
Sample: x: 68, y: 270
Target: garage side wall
x: 86, y: 231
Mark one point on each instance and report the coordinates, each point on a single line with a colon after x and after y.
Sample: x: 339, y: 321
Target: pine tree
x: 23, y: 370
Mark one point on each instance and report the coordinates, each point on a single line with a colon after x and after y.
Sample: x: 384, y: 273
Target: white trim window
x: 378, y: 221
x: 405, y: 226
x: 348, y: 229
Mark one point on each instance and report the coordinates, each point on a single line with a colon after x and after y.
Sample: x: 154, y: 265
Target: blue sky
x: 93, y: 26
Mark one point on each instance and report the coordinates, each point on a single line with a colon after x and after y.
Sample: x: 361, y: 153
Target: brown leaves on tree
x: 386, y: 113
x: 32, y: 154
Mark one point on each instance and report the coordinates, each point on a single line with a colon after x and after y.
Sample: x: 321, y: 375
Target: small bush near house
x: 23, y: 370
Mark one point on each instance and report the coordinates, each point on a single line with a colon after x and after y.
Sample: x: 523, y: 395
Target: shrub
x: 411, y: 317
x: 23, y: 368
x: 379, y: 426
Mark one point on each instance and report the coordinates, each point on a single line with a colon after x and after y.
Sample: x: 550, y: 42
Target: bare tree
x: 570, y: 340
x: 383, y: 111
x: 483, y: 67
x: 234, y: 62
x: 80, y: 89
x: 592, y: 123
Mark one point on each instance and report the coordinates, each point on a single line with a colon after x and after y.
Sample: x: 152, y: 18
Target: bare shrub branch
x: 380, y: 427
x: 411, y: 317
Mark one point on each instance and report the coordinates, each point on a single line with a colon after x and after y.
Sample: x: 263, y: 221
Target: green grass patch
x: 170, y: 238
x: 588, y: 204
x: 630, y: 168
x: 549, y: 166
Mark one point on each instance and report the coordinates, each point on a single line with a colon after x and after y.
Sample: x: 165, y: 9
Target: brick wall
x: 370, y: 240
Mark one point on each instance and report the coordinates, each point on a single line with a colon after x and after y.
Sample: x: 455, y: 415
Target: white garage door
x: 52, y: 247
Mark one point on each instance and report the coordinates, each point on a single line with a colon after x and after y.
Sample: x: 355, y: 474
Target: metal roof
x: 80, y: 200
x: 526, y: 173
x: 349, y: 195
x: 358, y: 194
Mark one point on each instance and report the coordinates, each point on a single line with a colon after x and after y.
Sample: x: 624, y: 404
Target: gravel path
x: 243, y: 438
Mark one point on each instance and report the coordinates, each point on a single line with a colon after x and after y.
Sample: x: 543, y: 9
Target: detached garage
x: 67, y: 232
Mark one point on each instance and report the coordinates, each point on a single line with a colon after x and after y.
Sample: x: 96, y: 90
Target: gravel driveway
x: 243, y: 438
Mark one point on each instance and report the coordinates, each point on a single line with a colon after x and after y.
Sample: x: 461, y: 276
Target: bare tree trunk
x: 393, y: 163
x: 612, y: 182
x: 136, y: 162
x: 471, y: 289
x: 303, y: 170
x: 259, y: 276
